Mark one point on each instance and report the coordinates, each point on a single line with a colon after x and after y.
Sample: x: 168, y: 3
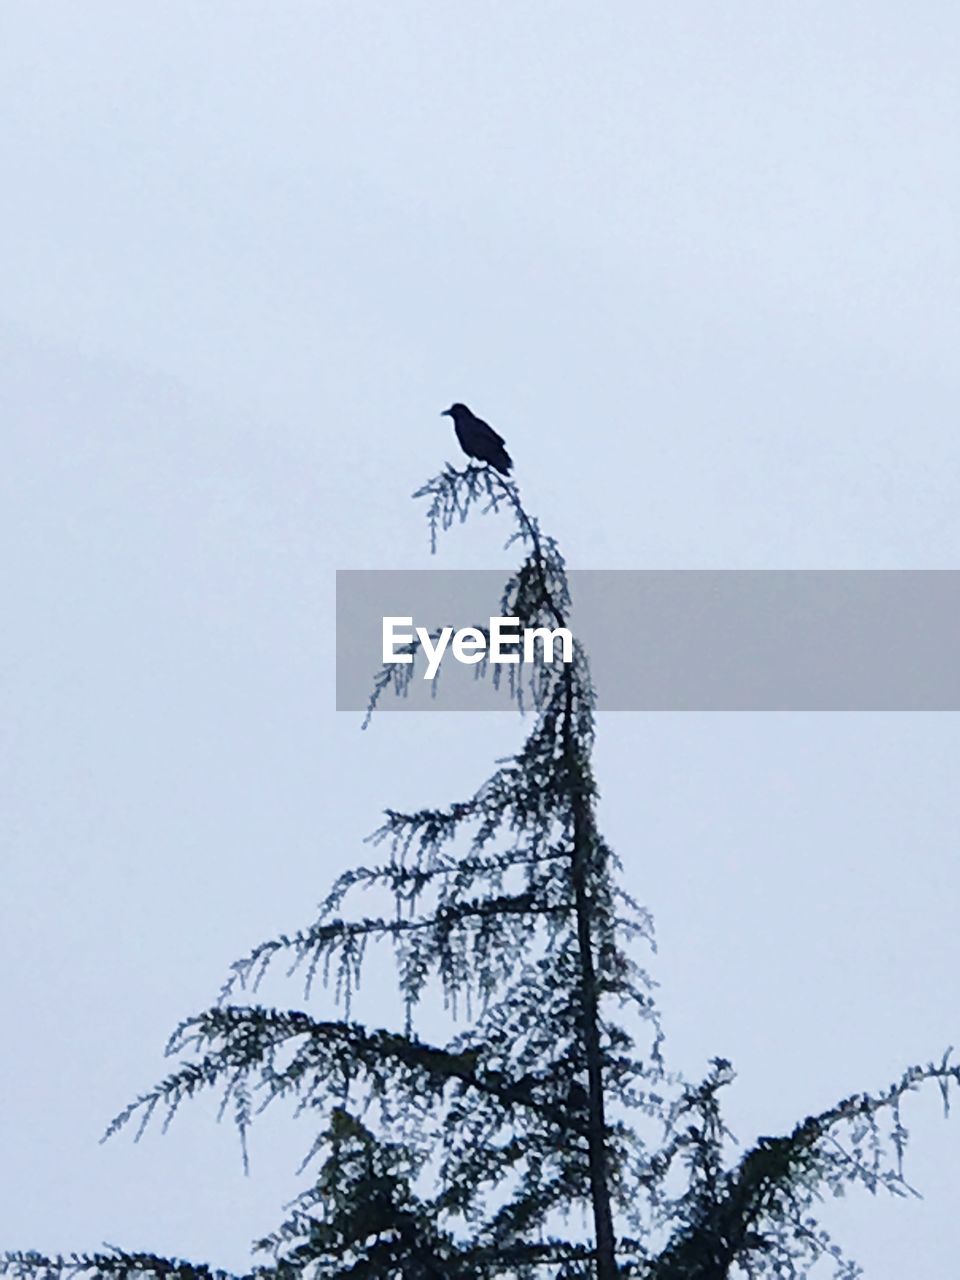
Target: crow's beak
x: 444, y: 413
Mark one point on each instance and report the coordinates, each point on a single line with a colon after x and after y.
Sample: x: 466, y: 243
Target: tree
x: 545, y: 1138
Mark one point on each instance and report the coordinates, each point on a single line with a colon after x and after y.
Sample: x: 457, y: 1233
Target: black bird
x: 477, y: 440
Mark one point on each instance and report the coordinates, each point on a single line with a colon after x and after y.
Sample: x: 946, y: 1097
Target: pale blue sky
x: 699, y: 266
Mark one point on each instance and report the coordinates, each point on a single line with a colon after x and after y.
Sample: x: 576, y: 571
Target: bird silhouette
x: 477, y: 439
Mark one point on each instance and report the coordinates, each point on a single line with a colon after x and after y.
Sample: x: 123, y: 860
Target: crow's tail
x: 501, y: 460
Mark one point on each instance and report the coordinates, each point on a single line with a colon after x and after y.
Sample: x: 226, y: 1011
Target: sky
x: 699, y: 265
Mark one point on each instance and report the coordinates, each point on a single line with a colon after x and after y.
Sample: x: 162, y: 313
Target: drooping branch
x: 118, y: 1264
x: 759, y: 1208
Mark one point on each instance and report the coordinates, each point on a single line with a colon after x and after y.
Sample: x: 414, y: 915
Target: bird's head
x: 454, y: 411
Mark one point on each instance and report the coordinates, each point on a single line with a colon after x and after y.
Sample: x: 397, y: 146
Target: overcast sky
x: 699, y: 265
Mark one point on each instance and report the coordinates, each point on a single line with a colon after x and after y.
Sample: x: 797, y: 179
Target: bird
x: 477, y: 439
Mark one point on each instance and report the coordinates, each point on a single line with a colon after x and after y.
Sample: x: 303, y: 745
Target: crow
x: 477, y: 440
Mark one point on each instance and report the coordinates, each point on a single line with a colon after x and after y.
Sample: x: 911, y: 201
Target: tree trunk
x: 583, y: 843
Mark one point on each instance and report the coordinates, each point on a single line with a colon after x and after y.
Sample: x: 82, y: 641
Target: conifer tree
x: 544, y: 1137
